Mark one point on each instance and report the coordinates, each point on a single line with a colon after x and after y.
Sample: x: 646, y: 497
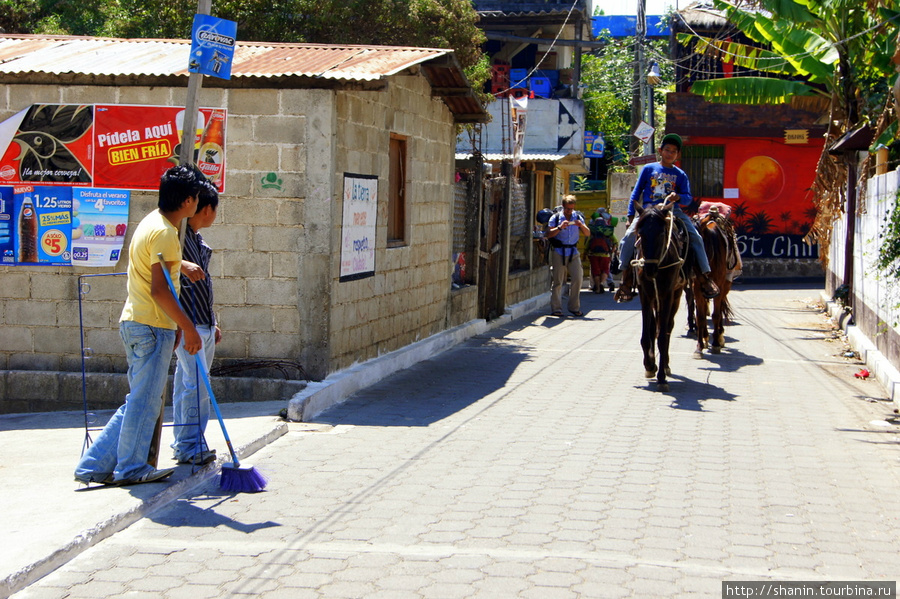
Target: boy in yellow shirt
x: 148, y: 327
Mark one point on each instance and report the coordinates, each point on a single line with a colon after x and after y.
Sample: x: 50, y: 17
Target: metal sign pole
x: 195, y: 82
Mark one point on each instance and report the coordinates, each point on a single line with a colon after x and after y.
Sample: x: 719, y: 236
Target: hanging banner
x: 518, y: 111
x: 105, y: 145
x: 594, y: 145
x: 212, y: 46
x: 358, y: 226
x: 99, y: 224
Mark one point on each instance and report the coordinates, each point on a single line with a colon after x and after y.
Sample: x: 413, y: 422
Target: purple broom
x: 234, y: 478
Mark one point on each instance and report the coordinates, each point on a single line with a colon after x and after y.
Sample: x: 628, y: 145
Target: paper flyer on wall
x: 99, y: 225
x: 43, y: 224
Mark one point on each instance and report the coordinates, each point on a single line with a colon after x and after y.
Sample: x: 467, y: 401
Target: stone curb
x: 876, y: 362
x: 319, y: 396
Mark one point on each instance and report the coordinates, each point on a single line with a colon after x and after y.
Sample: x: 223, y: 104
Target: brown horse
x: 716, y: 234
x: 660, y: 281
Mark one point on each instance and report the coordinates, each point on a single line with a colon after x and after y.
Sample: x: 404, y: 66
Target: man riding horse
x: 663, y: 182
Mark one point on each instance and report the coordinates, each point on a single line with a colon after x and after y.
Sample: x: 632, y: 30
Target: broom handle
x: 201, y: 367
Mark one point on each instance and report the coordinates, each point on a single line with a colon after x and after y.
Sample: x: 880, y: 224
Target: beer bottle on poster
x: 211, y: 158
x: 28, y: 232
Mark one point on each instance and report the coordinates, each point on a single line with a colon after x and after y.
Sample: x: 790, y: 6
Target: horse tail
x: 726, y: 309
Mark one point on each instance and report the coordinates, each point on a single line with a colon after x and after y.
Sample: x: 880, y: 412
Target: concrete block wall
x: 408, y: 299
x: 258, y: 239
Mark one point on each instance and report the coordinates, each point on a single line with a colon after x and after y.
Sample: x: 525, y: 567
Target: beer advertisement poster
x: 135, y: 145
x: 99, y: 225
x: 105, y: 145
x: 48, y: 144
x: 43, y: 217
x: 358, y: 227
x: 7, y: 227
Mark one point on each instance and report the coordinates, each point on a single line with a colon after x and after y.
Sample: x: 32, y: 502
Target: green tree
x: 608, y: 77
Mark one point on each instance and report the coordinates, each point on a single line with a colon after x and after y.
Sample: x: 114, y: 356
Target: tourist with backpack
x: 563, y: 231
x: 599, y: 248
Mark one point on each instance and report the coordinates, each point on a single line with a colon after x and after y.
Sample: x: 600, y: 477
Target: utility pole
x: 637, y: 98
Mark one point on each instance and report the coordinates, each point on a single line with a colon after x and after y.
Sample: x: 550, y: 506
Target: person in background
x: 564, y: 229
x: 663, y: 182
x: 150, y: 318
x: 190, y: 399
x: 599, y: 248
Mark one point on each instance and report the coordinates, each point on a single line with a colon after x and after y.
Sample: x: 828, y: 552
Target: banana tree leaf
x: 751, y: 90
x: 886, y: 138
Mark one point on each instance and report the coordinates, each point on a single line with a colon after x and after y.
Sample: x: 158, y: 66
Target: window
x: 396, y: 223
x: 705, y: 167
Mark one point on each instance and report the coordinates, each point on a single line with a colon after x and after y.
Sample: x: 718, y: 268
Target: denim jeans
x: 123, y: 446
x: 626, y: 246
x: 191, y: 414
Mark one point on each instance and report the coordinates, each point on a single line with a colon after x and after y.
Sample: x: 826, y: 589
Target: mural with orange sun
x: 767, y: 182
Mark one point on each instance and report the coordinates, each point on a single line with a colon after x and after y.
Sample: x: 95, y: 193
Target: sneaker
x: 611, y: 286
x: 151, y: 477
x: 199, y: 459
x: 100, y: 479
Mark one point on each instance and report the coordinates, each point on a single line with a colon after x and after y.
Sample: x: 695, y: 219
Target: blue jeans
x: 626, y: 246
x: 123, y: 446
x: 191, y: 413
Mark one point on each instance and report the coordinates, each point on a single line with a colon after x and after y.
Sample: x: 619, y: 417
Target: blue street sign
x: 212, y: 46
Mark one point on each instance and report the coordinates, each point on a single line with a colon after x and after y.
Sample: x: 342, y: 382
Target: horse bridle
x: 670, y: 232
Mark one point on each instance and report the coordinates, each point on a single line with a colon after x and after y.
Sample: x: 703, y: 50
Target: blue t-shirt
x: 568, y: 236
x: 656, y: 182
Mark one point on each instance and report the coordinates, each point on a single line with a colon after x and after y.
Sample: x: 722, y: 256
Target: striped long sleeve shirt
x: 197, y: 298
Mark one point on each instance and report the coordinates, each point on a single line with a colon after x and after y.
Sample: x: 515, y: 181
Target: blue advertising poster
x: 7, y: 227
x: 43, y: 224
x: 594, y: 145
x: 99, y: 224
x: 212, y: 46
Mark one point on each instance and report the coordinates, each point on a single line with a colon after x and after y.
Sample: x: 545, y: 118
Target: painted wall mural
x: 767, y: 184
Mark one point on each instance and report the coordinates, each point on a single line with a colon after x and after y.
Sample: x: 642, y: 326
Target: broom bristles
x: 241, y: 479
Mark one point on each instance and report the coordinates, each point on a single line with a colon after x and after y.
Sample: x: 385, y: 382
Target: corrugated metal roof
x: 93, y: 56
x: 107, y: 56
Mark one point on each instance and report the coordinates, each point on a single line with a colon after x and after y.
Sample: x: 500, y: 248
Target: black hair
x: 176, y: 185
x: 208, y: 196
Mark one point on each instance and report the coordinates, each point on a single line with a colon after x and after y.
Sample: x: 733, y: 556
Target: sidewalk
x: 46, y: 529
x: 51, y: 519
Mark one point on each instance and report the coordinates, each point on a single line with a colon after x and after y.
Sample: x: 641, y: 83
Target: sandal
x: 556, y: 313
x: 578, y: 314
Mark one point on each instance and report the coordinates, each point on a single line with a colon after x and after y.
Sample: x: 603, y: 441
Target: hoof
x: 663, y: 387
x: 715, y: 349
x: 649, y: 374
x: 697, y: 355
x: 668, y: 371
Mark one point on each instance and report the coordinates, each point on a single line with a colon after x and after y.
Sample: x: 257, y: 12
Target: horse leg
x: 664, y: 338
x: 701, y: 314
x: 648, y: 335
x: 689, y: 304
x: 721, y: 307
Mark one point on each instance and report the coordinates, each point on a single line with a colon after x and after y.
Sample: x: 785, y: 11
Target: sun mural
x: 760, y: 179
x: 769, y: 203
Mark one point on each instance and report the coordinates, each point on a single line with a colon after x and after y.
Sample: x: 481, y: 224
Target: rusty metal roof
x: 124, y: 59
